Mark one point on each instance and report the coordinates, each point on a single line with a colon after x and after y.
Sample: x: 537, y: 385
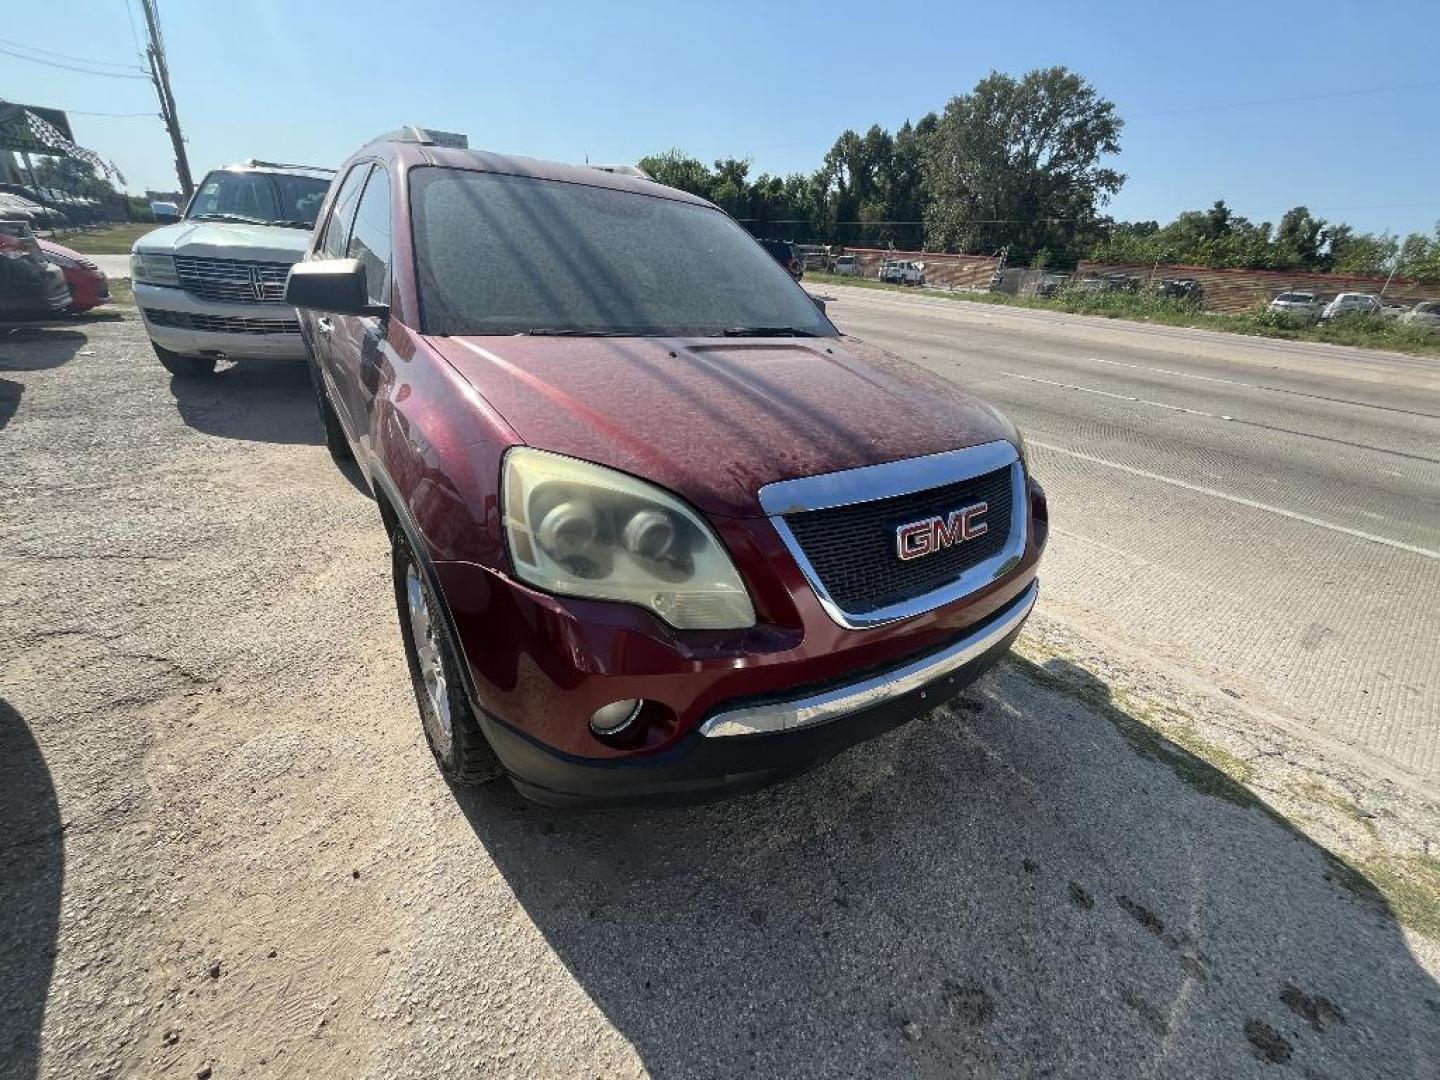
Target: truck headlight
x: 580, y: 529
x: 149, y: 269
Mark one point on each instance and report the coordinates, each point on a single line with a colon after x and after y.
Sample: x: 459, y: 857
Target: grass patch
x: 1370, y: 331
x: 1321, y: 794
x: 116, y: 240
x: 1411, y: 885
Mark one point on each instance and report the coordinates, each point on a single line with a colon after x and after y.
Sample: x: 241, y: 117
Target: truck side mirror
x: 333, y: 285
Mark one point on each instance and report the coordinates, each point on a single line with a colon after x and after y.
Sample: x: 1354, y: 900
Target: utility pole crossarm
x: 160, y: 74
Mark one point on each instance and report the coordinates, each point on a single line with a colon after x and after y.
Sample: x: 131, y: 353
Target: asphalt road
x: 1264, y: 514
x: 225, y: 851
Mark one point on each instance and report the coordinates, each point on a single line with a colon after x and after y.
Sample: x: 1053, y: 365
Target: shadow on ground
x: 31, y: 348
x: 32, y: 862
x: 272, y: 403
x: 1018, y: 884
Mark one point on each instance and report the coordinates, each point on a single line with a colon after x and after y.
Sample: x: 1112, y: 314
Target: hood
x: 714, y: 421
x: 227, y: 240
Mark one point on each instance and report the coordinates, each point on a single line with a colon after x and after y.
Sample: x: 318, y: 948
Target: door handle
x: 325, y: 326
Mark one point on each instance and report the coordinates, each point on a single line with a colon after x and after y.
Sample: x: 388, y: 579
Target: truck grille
x: 221, y: 324
x: 233, y: 281
x: 851, y: 549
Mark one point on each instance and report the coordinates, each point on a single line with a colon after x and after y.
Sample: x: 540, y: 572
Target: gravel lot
x: 224, y: 850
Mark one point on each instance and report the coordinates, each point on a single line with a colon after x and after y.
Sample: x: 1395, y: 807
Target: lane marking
x: 1261, y: 386
x: 1228, y: 419
x: 1239, y: 500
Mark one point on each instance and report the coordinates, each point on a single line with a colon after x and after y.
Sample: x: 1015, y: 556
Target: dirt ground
x: 225, y: 851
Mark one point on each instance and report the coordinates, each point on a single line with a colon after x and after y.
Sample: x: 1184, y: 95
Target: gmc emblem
x: 934, y: 534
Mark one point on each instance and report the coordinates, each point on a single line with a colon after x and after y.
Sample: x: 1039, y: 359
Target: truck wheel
x: 460, y: 747
x: 335, y: 440
x: 186, y: 367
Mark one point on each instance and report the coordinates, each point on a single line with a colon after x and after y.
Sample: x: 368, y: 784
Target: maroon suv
x: 658, y: 527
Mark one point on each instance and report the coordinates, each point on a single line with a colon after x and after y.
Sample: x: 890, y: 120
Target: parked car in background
x: 1050, y: 284
x: 849, y: 266
x: 1107, y: 283
x: 783, y: 252
x: 1350, y: 303
x: 30, y: 285
x: 1296, y: 307
x: 1187, y: 290
x: 212, y: 285
x: 1425, y: 315
x: 614, y: 498
x: 17, y: 207
x: 88, y: 285
x: 1391, y: 309
x: 902, y: 272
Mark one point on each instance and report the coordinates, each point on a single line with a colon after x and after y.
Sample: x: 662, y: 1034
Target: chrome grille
x: 221, y: 324
x: 234, y: 281
x: 842, y: 530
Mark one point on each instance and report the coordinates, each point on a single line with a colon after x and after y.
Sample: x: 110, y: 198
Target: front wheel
x: 186, y: 367
x: 460, y: 747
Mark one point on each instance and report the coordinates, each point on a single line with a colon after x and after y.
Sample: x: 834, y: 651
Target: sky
x: 1349, y: 125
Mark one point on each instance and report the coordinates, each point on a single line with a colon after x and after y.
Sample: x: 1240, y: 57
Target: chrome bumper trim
x: 833, y: 704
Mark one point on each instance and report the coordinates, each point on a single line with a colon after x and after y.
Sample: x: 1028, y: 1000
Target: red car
x: 657, y: 526
x: 89, y: 287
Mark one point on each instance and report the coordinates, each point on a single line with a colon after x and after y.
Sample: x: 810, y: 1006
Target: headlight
x: 584, y: 530
x: 151, y: 269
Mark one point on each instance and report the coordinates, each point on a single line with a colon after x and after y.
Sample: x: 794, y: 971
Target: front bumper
x: 751, y: 743
x: 237, y: 344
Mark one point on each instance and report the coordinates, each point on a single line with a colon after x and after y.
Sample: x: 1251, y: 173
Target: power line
x: 117, y: 115
x: 67, y: 56
x: 1287, y: 100
x: 134, y: 34
x: 70, y: 67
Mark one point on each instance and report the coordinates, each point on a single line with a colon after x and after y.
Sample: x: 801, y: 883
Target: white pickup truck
x: 902, y: 272
x: 212, y: 285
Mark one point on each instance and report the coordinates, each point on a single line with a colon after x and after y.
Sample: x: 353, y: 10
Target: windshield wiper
x: 768, y: 331
x: 560, y: 331
x: 229, y: 217
x: 296, y: 224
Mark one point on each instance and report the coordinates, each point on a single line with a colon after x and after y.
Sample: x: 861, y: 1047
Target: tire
x: 184, y: 367
x: 335, y: 440
x: 460, y: 747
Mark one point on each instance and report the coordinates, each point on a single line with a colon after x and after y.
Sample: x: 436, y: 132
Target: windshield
x: 1428, y: 308
x: 1295, y: 298
x: 499, y: 254
x: 265, y: 198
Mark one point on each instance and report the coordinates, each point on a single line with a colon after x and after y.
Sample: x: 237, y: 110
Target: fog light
x: 615, y: 717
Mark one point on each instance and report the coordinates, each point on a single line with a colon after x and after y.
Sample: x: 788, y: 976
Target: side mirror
x: 818, y: 303
x: 334, y: 285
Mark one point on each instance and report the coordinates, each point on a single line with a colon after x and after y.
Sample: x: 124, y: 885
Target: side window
x: 337, y: 225
x: 370, y: 238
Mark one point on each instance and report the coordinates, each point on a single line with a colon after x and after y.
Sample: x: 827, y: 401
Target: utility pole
x: 160, y: 74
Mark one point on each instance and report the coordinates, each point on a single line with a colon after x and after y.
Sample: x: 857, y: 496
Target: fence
x: 1222, y: 290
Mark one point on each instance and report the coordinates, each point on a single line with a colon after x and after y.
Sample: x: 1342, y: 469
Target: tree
x: 677, y: 169
x: 1361, y: 253
x: 1301, y: 237
x: 1019, y: 163
x: 1420, y: 256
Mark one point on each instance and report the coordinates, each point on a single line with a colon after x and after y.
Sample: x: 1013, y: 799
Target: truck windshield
x: 499, y: 254
x: 261, y: 197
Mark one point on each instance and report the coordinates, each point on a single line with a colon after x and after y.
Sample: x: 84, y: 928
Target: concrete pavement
x: 1264, y: 515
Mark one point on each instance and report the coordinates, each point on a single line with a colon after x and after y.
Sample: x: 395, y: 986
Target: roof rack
x: 412, y: 133
x: 256, y: 163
